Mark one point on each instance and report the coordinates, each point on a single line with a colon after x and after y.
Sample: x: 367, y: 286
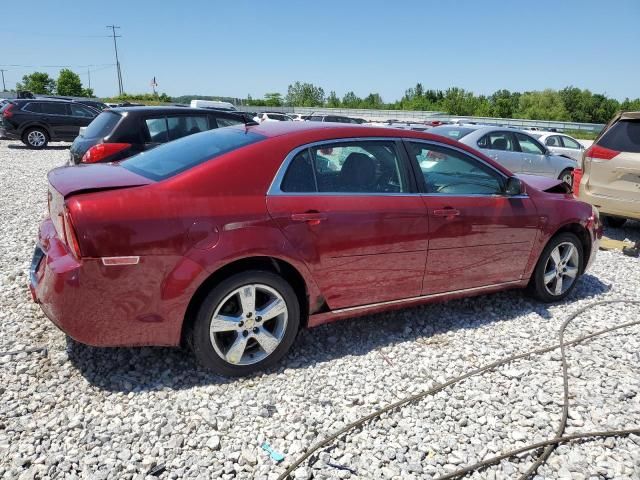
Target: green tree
x: 504, y: 103
x: 273, y: 99
x: 373, y: 100
x: 305, y: 95
x: 545, y: 105
x: 69, y: 84
x: 332, y: 100
x: 351, y: 100
x: 37, y: 82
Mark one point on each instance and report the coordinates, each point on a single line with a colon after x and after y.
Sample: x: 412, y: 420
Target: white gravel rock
x: 81, y: 412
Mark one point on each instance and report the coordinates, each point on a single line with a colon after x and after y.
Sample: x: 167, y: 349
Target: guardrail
x: 421, y: 116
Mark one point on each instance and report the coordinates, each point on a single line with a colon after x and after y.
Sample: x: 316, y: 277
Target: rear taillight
x: 7, y: 113
x: 101, y: 151
x: 70, y: 237
x: 600, y: 153
x: 576, y: 175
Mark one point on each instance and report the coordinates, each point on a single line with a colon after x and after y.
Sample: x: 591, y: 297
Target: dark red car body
x: 362, y: 254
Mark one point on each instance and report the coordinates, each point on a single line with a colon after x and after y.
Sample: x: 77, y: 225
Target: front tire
x: 558, y: 268
x: 35, y: 138
x: 246, y: 323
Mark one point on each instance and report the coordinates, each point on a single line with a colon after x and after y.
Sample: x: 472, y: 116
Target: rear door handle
x: 446, y: 212
x: 312, y: 218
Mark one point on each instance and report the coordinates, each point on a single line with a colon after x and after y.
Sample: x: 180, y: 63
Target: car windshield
x: 452, y: 132
x: 174, y: 157
x: 102, y: 125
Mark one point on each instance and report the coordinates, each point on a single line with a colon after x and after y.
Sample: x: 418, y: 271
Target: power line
x: 4, y: 88
x: 58, y: 66
x: 115, y: 46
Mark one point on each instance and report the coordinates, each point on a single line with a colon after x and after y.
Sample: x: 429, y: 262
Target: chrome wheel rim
x: 567, y: 178
x: 248, y: 324
x: 36, y: 138
x: 561, y: 269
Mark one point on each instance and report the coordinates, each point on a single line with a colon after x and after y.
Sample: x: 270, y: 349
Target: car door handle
x: 312, y: 218
x: 446, y: 212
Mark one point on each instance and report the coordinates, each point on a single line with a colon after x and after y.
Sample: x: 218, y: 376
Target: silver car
x: 561, y: 144
x: 514, y: 149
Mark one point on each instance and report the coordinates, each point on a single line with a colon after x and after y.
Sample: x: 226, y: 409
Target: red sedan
x: 231, y: 240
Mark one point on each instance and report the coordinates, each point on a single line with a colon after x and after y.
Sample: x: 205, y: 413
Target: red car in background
x: 232, y: 239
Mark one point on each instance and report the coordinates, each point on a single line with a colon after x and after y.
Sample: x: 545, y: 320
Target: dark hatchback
x: 118, y: 133
x: 38, y: 121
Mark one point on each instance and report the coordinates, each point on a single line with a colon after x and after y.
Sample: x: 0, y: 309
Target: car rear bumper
x: 610, y: 206
x: 101, y: 305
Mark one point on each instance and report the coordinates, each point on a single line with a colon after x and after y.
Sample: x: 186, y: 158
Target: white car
x: 272, y: 117
x: 561, y: 144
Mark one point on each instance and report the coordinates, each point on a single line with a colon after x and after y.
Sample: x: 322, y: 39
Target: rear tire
x: 558, y: 268
x: 246, y: 323
x: 614, y: 222
x: 566, y: 176
x: 35, y: 138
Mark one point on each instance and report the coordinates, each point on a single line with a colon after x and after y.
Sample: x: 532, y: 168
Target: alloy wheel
x: 567, y: 178
x: 248, y: 324
x: 36, y: 138
x: 561, y: 268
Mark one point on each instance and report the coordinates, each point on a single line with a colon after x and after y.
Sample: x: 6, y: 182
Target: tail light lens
x: 600, y: 153
x: 7, y: 112
x: 101, y: 151
x: 576, y: 174
x: 70, y: 236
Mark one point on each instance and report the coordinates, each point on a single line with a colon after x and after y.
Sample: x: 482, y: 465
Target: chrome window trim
x: 275, y: 190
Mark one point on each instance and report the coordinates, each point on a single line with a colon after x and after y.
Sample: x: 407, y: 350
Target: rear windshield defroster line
x: 175, y: 157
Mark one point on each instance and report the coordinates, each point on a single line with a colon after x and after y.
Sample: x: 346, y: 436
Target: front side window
x: 182, y: 125
x: 172, y: 158
x: 498, y: 141
x: 79, y: 111
x: 227, y: 121
x: 529, y: 145
x: 450, y: 172
x: 51, y: 108
x: 347, y: 167
x: 570, y: 143
x: 157, y: 131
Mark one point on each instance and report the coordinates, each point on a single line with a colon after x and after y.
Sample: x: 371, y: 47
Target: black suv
x: 121, y: 132
x: 38, y: 121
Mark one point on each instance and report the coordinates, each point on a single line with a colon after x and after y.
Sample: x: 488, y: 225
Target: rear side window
x: 102, y: 125
x: 51, y: 108
x: 623, y: 136
x: 157, y: 130
x: 32, y: 107
x: 347, y: 167
x: 182, y: 125
x: 498, y: 141
x: 172, y: 158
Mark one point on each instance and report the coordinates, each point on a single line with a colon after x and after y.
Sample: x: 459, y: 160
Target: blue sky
x: 238, y: 47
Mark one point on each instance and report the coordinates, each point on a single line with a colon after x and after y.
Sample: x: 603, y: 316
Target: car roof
x: 52, y: 100
x: 169, y: 109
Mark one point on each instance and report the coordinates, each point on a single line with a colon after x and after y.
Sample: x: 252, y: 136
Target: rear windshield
x: 174, y: 157
x: 452, y: 132
x: 623, y: 136
x: 102, y: 125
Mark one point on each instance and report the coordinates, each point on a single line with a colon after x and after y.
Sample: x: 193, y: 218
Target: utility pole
x: 89, y: 75
x: 4, y: 89
x: 115, y: 46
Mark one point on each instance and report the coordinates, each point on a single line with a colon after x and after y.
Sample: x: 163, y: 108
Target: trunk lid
x: 92, y: 178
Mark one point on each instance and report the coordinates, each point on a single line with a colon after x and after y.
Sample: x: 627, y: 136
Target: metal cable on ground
x: 549, y: 444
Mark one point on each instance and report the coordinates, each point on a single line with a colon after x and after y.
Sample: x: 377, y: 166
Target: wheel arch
x: 267, y: 263
x: 583, y: 235
x: 31, y: 125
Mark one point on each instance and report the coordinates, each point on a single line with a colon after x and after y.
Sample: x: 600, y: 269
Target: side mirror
x: 514, y: 187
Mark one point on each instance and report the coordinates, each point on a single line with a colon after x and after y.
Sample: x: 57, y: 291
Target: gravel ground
x: 80, y: 412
